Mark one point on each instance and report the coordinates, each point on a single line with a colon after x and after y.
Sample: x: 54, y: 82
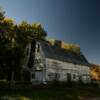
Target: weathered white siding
x: 39, y: 66
x: 84, y: 73
x: 63, y: 68
x: 37, y: 76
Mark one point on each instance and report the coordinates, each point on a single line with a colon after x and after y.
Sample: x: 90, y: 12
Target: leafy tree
x: 1, y: 14
x: 95, y: 72
x: 6, y: 45
x: 13, y: 41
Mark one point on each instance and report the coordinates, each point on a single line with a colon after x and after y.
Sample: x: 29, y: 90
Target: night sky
x: 73, y: 21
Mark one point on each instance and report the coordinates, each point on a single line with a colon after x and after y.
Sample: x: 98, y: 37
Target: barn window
x: 57, y: 76
x: 68, y: 77
x: 74, y: 76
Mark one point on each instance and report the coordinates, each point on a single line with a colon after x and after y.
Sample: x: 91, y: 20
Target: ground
x: 51, y: 93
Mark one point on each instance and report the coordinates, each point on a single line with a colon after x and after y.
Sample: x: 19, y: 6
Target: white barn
x: 47, y: 63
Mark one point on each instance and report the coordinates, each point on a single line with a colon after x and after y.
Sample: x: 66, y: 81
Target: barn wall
x: 37, y: 76
x: 62, y: 69
x: 39, y: 66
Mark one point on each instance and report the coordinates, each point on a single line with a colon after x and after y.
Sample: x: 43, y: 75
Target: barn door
x: 68, y: 77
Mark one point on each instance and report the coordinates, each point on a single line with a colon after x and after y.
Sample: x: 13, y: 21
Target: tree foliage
x: 1, y: 14
x: 13, y: 40
x: 95, y: 72
x: 71, y: 47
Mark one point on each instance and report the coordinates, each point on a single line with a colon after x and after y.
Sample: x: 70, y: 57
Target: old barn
x: 46, y: 62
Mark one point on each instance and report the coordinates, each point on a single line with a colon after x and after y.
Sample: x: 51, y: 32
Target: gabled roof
x: 60, y: 54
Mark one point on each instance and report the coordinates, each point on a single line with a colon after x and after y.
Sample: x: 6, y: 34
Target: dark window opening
x: 57, y: 76
x: 33, y: 44
x: 33, y: 75
x: 74, y: 76
x: 69, y: 77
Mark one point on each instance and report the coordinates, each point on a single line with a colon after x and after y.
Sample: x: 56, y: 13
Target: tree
x: 95, y: 72
x: 13, y: 41
x: 1, y: 14
x: 6, y: 45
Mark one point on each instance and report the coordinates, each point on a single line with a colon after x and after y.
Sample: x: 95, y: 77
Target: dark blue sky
x: 74, y: 21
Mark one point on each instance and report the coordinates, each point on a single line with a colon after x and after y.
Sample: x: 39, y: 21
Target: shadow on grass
x: 51, y: 93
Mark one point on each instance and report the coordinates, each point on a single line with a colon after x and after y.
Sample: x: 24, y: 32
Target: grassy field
x: 51, y: 93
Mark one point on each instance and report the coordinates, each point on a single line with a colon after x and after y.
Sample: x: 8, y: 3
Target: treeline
x: 67, y: 46
x: 13, y: 40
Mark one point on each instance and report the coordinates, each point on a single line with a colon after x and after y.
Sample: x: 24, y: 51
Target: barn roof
x: 64, y: 55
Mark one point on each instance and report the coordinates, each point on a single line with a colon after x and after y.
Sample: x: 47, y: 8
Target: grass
x: 51, y: 93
